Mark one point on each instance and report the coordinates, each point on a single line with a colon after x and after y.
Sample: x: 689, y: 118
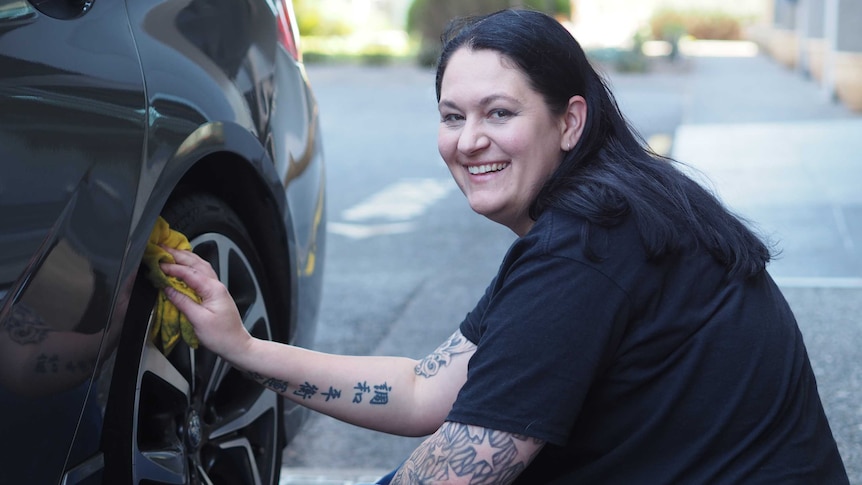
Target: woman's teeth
x: 491, y: 167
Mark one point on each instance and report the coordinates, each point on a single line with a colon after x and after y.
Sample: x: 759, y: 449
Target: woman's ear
x: 573, y: 122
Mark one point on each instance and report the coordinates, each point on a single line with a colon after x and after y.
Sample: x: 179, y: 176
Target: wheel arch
x: 263, y: 210
x: 247, y: 184
x: 228, y: 162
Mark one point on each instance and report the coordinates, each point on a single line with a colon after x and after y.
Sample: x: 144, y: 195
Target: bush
x: 426, y: 19
x: 312, y: 22
x: 715, y: 26
x: 671, y: 25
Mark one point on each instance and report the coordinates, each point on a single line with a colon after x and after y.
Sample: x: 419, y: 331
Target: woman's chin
x: 491, y: 212
x: 483, y: 208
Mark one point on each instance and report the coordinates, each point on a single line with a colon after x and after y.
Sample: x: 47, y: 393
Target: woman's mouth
x: 486, y: 168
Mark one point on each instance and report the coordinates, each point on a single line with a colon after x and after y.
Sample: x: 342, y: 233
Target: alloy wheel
x: 197, y: 419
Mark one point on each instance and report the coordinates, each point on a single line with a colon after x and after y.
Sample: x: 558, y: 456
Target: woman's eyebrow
x: 447, y: 104
x: 482, y: 102
x: 496, y: 97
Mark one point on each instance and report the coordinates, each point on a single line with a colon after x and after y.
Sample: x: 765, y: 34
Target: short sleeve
x: 543, y: 330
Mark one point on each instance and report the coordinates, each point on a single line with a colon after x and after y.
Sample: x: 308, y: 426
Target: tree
x: 426, y: 19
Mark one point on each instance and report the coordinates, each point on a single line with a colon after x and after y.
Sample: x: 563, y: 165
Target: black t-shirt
x: 642, y: 372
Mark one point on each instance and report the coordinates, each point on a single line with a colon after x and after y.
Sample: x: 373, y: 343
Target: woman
x: 632, y: 334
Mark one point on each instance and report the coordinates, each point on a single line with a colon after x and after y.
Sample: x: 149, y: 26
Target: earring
x: 568, y: 146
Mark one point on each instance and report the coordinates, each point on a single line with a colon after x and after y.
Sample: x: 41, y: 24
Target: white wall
x: 605, y: 23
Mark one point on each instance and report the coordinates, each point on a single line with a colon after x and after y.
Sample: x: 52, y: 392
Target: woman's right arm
x: 391, y: 394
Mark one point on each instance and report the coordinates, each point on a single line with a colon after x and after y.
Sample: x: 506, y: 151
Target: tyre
x: 190, y: 417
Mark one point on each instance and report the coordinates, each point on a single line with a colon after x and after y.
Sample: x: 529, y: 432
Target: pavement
x: 782, y: 153
x: 315, y: 476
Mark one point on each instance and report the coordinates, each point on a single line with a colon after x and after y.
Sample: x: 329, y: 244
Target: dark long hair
x: 610, y: 174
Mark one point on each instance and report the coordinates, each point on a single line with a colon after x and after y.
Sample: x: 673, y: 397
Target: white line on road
x: 397, y: 204
x: 401, y: 201
x: 817, y: 282
x: 362, y: 231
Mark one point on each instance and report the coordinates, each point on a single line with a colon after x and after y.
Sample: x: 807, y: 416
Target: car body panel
x: 64, y: 223
x: 97, y: 132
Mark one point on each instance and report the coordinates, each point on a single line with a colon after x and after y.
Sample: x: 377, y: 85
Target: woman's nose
x: 472, y: 138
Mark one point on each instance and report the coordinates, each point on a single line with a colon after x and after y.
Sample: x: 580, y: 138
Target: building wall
x: 607, y: 23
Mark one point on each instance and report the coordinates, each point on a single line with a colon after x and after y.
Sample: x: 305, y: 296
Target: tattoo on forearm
x: 486, y: 457
x: 332, y: 394
x: 276, y: 385
x: 52, y: 364
x: 431, y: 365
x: 307, y: 390
x: 360, y: 388
x: 381, y: 393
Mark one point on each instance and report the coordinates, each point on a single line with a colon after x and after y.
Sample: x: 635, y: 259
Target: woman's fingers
x: 216, y: 319
x: 188, y: 258
x: 200, y: 277
x: 190, y: 308
x: 195, y: 272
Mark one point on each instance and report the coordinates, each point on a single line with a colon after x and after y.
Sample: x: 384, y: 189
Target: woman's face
x: 497, y: 135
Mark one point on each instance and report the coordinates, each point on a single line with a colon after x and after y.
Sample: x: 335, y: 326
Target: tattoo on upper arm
x: 25, y: 326
x: 485, y: 456
x: 454, y: 345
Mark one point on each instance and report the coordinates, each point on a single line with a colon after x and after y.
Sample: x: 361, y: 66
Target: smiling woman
x: 631, y: 335
x: 501, y: 147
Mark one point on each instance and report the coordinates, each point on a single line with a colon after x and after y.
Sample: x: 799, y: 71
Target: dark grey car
x: 111, y: 114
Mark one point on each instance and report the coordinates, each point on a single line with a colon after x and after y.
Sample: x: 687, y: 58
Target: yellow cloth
x: 169, y: 322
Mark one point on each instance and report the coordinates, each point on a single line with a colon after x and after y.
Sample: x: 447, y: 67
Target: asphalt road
x: 407, y: 258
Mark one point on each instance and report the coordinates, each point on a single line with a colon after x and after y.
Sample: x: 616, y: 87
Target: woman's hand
x: 216, y: 320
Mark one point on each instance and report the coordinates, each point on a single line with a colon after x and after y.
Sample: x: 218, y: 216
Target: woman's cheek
x: 446, y: 145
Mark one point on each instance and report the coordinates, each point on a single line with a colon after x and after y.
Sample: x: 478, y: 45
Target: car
x: 113, y: 114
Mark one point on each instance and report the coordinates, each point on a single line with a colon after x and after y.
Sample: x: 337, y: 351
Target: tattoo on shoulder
x: 459, y: 450
x: 431, y: 365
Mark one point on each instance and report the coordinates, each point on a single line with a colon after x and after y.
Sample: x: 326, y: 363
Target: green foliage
x: 670, y: 25
x: 715, y: 25
x: 557, y: 8
x: 631, y: 60
x: 426, y: 19
x: 619, y: 59
x: 312, y: 21
x: 667, y: 24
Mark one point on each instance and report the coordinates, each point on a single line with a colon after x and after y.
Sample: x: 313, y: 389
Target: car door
x: 72, y: 130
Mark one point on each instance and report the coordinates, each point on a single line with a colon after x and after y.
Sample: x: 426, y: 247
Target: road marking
x: 362, y: 231
x: 397, y: 204
x: 309, y: 476
x: 817, y: 282
x: 401, y: 201
x: 843, y: 230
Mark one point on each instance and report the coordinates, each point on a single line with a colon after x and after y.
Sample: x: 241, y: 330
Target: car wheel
x: 190, y: 417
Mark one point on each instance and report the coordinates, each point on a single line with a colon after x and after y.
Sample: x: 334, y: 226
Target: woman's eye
x: 451, y: 118
x: 500, y: 113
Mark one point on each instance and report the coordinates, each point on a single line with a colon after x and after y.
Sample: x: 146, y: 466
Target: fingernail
x: 170, y: 292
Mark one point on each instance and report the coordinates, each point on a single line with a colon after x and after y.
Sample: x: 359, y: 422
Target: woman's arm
x: 463, y: 454
x: 391, y: 394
